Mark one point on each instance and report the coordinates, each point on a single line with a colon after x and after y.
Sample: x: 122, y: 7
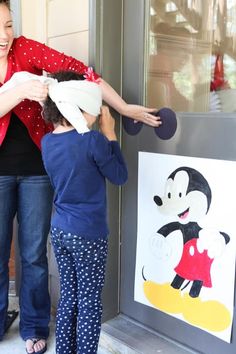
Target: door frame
x: 106, y: 41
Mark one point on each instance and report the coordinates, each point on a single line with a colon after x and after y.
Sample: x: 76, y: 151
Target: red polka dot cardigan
x: 34, y: 57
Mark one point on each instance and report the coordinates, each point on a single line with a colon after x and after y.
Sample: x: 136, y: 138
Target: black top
x: 18, y: 154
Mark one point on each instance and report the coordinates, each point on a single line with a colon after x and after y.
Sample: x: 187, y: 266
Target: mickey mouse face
x: 182, y: 199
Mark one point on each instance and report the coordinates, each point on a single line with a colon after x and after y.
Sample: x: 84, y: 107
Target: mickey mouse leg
x: 196, y: 288
x: 177, y: 282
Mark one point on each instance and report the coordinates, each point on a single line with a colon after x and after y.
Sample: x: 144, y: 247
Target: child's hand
x: 107, y: 124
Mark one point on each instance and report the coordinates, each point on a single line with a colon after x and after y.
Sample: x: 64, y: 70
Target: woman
x: 25, y: 189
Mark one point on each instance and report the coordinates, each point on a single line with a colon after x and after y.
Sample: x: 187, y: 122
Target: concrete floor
x: 13, y: 344
x: 118, y: 336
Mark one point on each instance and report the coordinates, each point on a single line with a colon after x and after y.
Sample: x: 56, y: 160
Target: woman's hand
x: 32, y: 90
x: 142, y: 114
x: 107, y: 124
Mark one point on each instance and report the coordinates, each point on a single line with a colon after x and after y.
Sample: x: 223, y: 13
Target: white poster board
x: 186, y: 239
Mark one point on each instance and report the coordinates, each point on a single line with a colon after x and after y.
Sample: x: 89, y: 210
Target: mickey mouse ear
x: 169, y: 123
x: 131, y: 127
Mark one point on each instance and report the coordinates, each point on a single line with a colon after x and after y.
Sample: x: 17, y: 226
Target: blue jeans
x: 81, y: 265
x: 30, y: 198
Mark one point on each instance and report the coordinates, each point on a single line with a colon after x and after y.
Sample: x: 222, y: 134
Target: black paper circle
x: 130, y: 126
x: 169, y: 123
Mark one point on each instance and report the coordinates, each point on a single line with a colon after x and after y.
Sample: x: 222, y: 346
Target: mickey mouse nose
x: 157, y: 200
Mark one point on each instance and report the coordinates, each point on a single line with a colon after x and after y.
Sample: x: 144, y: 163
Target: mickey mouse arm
x: 226, y: 237
x: 213, y: 241
x: 168, y: 228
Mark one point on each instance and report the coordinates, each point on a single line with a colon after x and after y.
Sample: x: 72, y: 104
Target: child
x: 78, y: 162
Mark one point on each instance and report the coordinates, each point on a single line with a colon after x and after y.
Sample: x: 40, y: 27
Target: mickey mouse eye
x: 180, y: 194
x: 169, y: 195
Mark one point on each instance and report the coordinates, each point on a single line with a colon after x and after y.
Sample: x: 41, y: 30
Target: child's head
x: 51, y: 113
x: 72, y: 100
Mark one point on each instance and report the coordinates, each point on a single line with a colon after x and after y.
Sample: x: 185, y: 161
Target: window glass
x: 191, y: 64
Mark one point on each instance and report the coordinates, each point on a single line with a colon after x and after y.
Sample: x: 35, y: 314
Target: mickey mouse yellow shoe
x: 210, y: 314
x: 163, y: 296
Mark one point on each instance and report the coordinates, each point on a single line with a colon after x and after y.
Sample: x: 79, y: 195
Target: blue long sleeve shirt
x: 78, y: 166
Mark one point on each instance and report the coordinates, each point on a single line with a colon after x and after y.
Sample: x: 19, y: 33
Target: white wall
x: 62, y: 24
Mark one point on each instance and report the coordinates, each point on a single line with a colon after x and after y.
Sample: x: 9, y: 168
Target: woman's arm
x: 136, y: 112
x: 37, y: 91
x: 42, y: 57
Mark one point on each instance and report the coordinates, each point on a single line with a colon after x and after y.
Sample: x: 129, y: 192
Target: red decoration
x: 219, y: 82
x: 90, y: 76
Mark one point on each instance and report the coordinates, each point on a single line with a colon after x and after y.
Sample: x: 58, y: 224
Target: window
x: 192, y: 55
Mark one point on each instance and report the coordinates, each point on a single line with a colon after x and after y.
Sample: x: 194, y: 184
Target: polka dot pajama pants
x: 81, y: 265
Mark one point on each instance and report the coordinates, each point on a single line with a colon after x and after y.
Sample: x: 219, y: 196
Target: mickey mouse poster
x: 185, y: 260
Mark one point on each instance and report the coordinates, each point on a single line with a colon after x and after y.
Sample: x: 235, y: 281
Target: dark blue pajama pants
x: 81, y: 265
